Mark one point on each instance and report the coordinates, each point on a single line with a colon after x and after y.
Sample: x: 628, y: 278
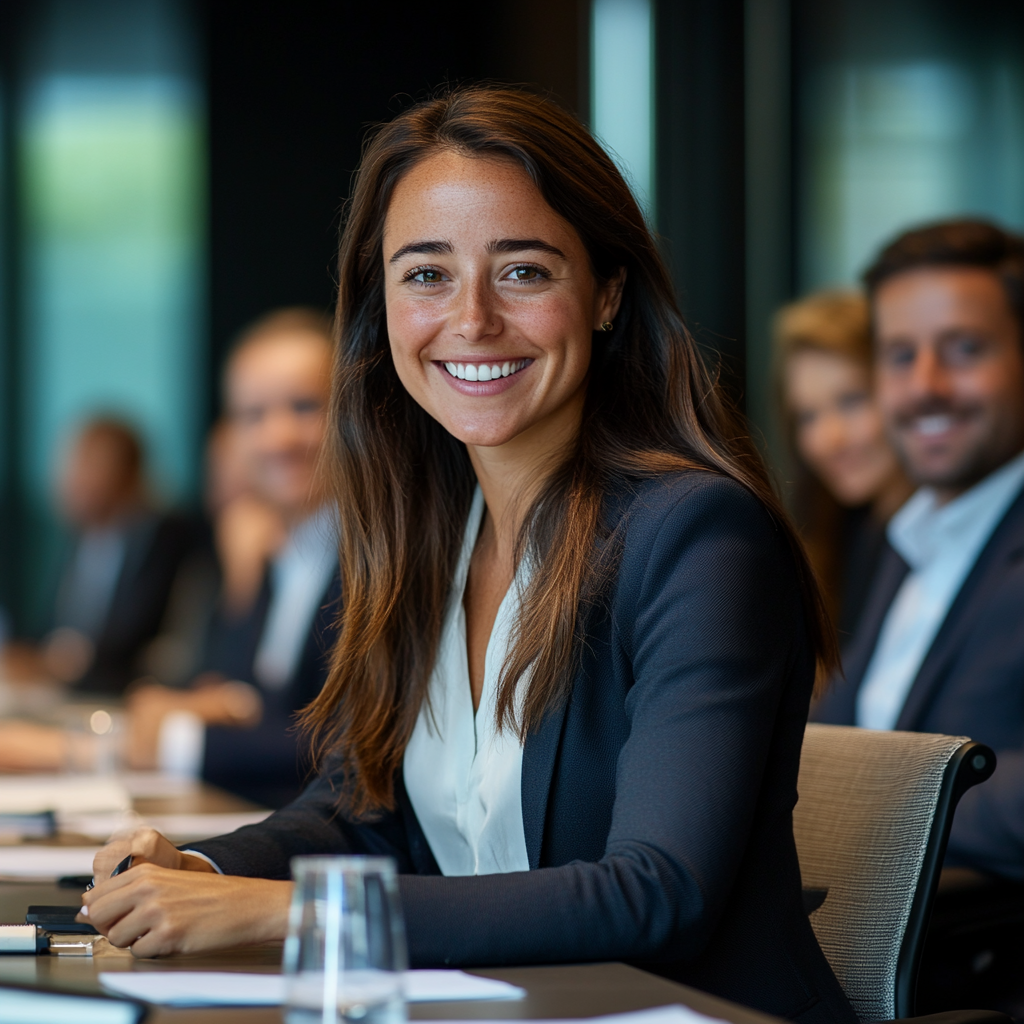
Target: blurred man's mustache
x: 932, y: 407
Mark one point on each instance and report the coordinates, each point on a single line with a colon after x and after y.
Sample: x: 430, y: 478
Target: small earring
x: 607, y: 326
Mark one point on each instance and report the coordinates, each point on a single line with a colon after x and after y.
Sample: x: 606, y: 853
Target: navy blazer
x: 268, y: 764
x: 657, y: 802
x: 970, y: 683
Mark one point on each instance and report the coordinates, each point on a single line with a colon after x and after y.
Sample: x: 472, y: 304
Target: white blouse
x: 463, y: 777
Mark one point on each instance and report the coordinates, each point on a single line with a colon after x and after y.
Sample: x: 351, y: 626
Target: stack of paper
x: 179, y: 828
x: 63, y: 794
x: 45, y: 862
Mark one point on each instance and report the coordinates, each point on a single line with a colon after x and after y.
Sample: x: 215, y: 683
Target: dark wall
x: 700, y: 170
x: 292, y: 89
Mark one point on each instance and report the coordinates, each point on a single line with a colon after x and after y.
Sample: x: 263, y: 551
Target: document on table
x: 47, y: 862
x: 216, y: 988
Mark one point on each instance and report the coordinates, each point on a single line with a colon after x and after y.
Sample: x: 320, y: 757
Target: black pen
x: 123, y: 865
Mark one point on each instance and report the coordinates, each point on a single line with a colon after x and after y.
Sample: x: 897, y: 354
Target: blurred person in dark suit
x: 940, y: 647
x: 120, y: 570
x: 848, y: 480
x: 266, y: 651
x: 246, y: 532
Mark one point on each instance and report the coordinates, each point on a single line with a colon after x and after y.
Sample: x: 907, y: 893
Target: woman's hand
x: 146, y: 846
x: 157, y: 911
x: 214, y: 700
x: 170, y: 902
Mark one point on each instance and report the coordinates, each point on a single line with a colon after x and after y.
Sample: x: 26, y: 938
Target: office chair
x: 871, y: 827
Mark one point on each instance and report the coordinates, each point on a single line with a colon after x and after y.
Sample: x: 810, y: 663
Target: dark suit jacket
x: 657, y: 803
x: 267, y: 764
x: 970, y: 683
x: 156, y: 548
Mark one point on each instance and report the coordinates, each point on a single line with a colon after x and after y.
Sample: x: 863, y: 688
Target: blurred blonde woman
x: 848, y: 482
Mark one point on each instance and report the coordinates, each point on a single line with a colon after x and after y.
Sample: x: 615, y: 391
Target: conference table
x: 559, y: 991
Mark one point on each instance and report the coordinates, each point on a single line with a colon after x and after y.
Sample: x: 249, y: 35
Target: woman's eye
x: 426, y: 275
x: 526, y: 274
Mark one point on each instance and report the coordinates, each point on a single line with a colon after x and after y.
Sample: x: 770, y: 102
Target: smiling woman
x: 579, y: 636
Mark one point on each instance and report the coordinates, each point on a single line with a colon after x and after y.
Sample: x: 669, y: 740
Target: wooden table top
x: 579, y: 990
x: 571, y: 991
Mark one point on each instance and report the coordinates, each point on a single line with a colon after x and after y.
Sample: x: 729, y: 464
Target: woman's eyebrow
x: 512, y: 245
x: 425, y: 248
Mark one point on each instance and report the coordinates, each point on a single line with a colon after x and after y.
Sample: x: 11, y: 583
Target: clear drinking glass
x: 345, y: 953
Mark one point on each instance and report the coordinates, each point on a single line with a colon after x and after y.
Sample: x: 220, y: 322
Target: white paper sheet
x: 442, y: 986
x: 196, y: 988
x: 19, y: 1006
x: 46, y: 861
x: 216, y: 988
x: 65, y: 794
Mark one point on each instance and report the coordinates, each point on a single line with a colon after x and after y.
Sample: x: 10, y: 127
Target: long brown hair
x: 404, y: 485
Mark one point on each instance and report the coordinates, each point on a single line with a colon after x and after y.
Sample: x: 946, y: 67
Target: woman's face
x: 491, y: 301
x: 839, y: 433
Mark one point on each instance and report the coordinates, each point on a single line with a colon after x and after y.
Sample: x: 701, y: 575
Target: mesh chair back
x: 862, y: 826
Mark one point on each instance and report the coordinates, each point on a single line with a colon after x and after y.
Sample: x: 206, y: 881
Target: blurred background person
x: 266, y: 650
x: 121, y: 566
x: 245, y: 531
x: 249, y: 529
x: 940, y: 647
x: 849, y: 481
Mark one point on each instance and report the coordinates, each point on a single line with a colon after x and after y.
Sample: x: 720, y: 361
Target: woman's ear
x: 609, y: 298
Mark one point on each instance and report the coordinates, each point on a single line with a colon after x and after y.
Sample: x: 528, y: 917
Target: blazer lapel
x: 541, y: 748
x: 1004, y: 546
x: 539, y: 754
x: 838, y: 704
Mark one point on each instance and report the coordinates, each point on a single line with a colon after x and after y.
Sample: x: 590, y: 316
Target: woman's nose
x: 474, y: 314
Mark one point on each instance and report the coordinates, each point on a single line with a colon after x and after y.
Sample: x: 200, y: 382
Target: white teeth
x: 929, y: 425
x: 485, y: 371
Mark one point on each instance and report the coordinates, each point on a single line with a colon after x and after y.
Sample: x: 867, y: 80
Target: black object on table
x: 59, y: 919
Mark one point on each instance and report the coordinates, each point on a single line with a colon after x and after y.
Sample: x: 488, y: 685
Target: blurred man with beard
x: 940, y: 647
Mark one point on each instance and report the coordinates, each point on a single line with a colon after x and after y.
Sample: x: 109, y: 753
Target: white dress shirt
x: 298, y: 578
x: 940, y: 543
x: 464, y: 778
